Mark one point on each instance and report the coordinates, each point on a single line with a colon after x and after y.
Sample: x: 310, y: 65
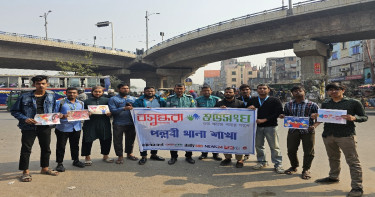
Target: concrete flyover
x: 32, y: 52
x: 308, y: 27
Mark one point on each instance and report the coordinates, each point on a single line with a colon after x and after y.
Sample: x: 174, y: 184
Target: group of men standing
x: 336, y: 137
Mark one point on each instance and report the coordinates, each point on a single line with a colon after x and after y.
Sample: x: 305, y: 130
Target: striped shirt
x: 302, y: 109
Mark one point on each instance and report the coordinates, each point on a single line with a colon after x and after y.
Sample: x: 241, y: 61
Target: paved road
x: 205, y: 178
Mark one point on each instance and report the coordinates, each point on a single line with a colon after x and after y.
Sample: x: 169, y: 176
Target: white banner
x: 331, y: 116
x: 216, y: 130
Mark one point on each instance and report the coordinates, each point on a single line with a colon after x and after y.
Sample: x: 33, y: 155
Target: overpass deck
x: 52, y: 42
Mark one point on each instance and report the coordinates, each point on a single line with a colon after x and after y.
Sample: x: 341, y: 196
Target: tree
x: 79, y: 68
x: 115, y: 81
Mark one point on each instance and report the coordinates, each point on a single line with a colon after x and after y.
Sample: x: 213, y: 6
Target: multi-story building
x: 283, y: 69
x: 369, y: 59
x: 236, y: 73
x: 346, y: 63
x: 212, y: 78
x: 261, y: 78
x: 223, y: 71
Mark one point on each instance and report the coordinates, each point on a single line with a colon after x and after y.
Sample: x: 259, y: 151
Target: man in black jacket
x: 269, y: 109
x: 230, y: 102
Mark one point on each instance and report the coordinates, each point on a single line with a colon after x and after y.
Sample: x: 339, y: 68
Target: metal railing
x: 62, y: 41
x: 239, y: 18
x: 307, y: 2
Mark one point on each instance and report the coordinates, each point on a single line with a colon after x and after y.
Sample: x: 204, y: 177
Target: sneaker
x: 217, y: 158
x: 280, y: 170
x: 226, y: 162
x: 259, y: 166
x: 142, y: 161
x: 356, y: 192
x: 190, y: 160
x: 157, y: 158
x: 327, y: 180
x: 172, y: 161
x: 79, y: 164
x: 60, y: 167
x: 203, y: 156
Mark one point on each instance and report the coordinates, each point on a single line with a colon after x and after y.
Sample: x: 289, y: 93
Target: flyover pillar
x: 153, y: 81
x: 313, y: 56
x: 169, y: 77
x: 125, y: 79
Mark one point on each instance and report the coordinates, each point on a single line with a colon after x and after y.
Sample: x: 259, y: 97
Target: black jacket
x: 232, y: 104
x: 271, y: 109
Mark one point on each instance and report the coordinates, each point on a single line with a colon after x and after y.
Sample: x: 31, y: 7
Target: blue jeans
x: 270, y: 133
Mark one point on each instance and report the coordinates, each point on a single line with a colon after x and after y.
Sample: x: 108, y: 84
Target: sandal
x: 291, y: 171
x: 26, y: 178
x: 88, y: 162
x: 239, y: 164
x: 108, y: 160
x: 50, y: 172
x: 306, y: 175
x: 133, y: 158
x: 120, y: 161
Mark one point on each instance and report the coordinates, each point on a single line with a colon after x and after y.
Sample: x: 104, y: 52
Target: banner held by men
x: 197, y: 129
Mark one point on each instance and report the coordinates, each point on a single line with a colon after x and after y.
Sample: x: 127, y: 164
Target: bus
x: 15, y: 85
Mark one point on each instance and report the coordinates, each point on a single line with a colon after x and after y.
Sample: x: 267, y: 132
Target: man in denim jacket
x: 39, y: 101
x: 120, y: 106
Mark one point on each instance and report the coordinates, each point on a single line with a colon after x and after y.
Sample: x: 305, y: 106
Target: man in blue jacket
x: 150, y: 100
x: 39, y: 101
x: 120, y: 106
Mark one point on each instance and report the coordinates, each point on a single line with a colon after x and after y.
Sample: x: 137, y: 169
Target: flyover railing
x: 307, y: 2
x: 240, y: 18
x: 62, y: 41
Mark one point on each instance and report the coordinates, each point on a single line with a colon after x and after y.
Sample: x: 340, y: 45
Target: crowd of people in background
x: 336, y: 137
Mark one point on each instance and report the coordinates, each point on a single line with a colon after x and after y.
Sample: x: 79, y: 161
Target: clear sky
x: 75, y: 20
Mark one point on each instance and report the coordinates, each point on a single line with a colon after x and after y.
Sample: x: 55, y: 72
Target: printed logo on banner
x: 192, y: 117
x: 229, y: 147
x: 214, y: 146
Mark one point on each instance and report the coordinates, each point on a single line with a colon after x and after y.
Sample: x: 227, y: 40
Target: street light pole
x: 105, y: 24
x: 162, y: 36
x: 113, y: 48
x: 290, y: 8
x: 147, y: 16
x: 45, y: 21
